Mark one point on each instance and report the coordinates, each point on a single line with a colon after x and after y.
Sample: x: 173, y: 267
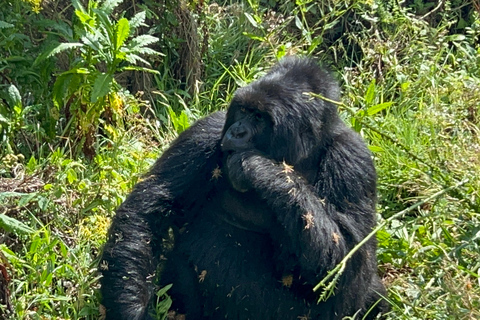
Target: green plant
x: 11, y: 116
x: 105, y: 47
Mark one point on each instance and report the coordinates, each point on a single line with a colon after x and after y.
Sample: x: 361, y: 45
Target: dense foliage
x: 91, y: 92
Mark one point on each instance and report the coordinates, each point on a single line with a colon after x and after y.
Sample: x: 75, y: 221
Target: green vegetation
x: 91, y: 92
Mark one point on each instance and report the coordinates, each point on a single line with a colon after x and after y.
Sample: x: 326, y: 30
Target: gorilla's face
x: 264, y: 118
x: 247, y: 128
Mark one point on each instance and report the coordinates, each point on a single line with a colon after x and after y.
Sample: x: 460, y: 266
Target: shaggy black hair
x: 247, y: 211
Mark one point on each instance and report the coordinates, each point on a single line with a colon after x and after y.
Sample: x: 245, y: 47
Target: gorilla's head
x: 278, y: 116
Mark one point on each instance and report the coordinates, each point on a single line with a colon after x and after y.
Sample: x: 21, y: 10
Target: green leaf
x: 183, y: 122
x: 13, y: 97
x: 251, y: 19
x: 120, y: 55
x: 253, y: 36
x: 32, y: 163
x: 122, y: 31
x: 85, y: 18
x: 4, y: 121
x: 180, y: 123
x: 165, y: 302
x: 78, y: 6
x: 71, y: 175
x: 104, y: 23
x: 76, y: 71
x: 456, y: 37
x: 378, y: 107
x: 145, y: 50
x: 137, y: 21
x: 13, y: 225
x: 93, y: 42
x: 375, y: 149
x: 109, y: 5
x: 10, y: 194
x: 142, y: 41
x: 281, y: 52
x: 65, y: 85
x: 299, y: 25
x: 164, y: 290
x: 135, y: 68
x: 5, y: 25
x: 370, y: 94
x: 26, y: 199
x: 101, y: 86
x: 55, y: 50
x: 133, y: 58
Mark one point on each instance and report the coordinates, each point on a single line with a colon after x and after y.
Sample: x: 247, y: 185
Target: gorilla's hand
x: 238, y: 171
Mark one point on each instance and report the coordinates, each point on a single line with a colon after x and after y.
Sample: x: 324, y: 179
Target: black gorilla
x: 247, y: 211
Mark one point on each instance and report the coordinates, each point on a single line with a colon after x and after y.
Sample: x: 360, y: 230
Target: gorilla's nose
x: 238, y: 137
x: 237, y: 131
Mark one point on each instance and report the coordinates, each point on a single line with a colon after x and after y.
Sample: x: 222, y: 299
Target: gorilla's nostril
x: 240, y: 134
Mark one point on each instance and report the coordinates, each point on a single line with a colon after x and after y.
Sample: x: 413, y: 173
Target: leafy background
x: 91, y: 93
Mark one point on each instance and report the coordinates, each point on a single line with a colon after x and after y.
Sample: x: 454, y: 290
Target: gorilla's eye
x: 258, y: 116
x: 243, y: 110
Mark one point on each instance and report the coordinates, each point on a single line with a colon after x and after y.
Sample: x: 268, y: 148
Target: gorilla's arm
x: 174, y: 183
x: 319, y: 223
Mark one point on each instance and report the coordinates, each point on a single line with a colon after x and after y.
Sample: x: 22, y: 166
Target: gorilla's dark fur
x: 247, y: 211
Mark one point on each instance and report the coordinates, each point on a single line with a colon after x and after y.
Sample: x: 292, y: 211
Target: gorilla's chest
x: 219, y: 249
x: 242, y: 210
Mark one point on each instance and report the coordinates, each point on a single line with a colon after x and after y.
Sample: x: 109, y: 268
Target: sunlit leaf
x: 55, y: 50
x: 122, y: 32
x: 85, y: 18
x: 378, y: 107
x: 142, y: 41
x: 251, y: 19
x: 370, y: 94
x: 13, y: 225
x: 109, y: 5
x: 138, y: 20
x: 13, y: 96
x: 101, y: 86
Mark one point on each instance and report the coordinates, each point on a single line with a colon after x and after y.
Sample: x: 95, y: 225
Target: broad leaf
x: 92, y: 42
x: 138, y: 20
x: 122, y: 32
x: 144, y: 50
x: 376, y: 149
x: 109, y: 5
x: 378, y: 107
x: 101, y: 86
x: 55, y: 50
x: 78, y: 6
x: 251, y: 19
x: 65, y: 85
x: 13, y: 225
x: 85, y: 18
x: 142, y: 41
x: 133, y: 58
x: 4, y: 25
x: 370, y: 94
x: 13, y: 97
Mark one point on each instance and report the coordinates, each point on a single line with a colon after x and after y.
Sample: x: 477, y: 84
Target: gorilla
x: 249, y: 209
